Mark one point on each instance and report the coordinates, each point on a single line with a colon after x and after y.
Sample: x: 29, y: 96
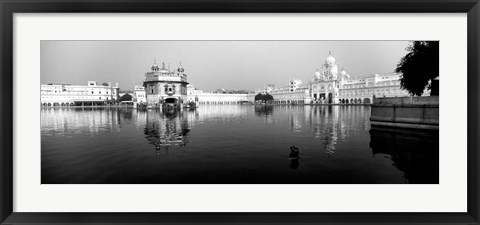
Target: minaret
x: 154, y: 66
x: 180, y: 68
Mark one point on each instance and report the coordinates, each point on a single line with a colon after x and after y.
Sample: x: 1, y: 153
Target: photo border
x: 9, y: 7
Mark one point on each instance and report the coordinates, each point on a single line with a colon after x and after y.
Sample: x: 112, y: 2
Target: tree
x: 125, y: 97
x: 268, y: 97
x: 419, y: 67
x: 259, y: 97
x: 105, y: 84
x: 263, y: 98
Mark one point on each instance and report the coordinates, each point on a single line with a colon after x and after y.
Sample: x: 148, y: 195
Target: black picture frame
x: 9, y: 7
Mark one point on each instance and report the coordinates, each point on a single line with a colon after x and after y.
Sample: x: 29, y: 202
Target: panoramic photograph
x: 239, y: 112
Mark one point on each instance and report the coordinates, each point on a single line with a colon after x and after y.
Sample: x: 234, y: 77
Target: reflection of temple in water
x: 333, y: 123
x: 326, y: 126
x: 166, y: 128
x: 413, y: 152
x: 68, y: 121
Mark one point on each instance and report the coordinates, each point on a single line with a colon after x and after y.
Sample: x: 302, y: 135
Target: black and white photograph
x: 239, y: 112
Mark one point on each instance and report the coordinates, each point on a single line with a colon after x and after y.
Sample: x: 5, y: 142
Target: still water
x: 231, y: 144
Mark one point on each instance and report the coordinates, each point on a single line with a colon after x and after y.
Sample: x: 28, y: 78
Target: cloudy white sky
x: 211, y: 65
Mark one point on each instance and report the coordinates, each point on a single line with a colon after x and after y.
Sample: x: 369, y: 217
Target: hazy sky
x: 211, y: 65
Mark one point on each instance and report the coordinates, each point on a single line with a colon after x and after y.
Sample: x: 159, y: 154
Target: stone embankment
x: 406, y: 112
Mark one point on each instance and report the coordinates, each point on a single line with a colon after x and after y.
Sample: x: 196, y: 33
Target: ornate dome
x: 343, y: 72
x: 330, y: 60
x: 164, y: 70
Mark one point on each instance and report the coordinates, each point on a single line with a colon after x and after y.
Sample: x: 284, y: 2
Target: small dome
x: 317, y: 73
x: 163, y: 69
x: 330, y: 60
x: 343, y: 72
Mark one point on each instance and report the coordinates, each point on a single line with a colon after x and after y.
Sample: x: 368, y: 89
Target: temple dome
x: 330, y: 60
x: 163, y: 69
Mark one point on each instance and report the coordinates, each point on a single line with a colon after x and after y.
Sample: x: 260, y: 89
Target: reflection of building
x: 166, y: 128
x: 68, y: 121
x: 332, y: 87
x: 65, y: 94
x: 165, y: 86
x: 325, y: 122
x: 329, y: 125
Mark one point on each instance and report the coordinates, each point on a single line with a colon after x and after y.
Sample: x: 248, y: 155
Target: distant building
x: 293, y: 92
x: 201, y: 97
x: 362, y: 90
x: 331, y: 87
x: 139, y: 94
x: 165, y: 86
x: 69, y: 95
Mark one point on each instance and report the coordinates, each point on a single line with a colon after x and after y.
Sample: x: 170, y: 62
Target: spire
x: 180, y: 68
x: 154, y: 66
x: 329, y: 52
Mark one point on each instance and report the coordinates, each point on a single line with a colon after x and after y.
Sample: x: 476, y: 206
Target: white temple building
x: 92, y: 94
x: 163, y: 86
x: 328, y: 86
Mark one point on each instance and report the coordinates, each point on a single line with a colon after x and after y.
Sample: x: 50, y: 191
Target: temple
x: 328, y: 86
x: 165, y: 88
